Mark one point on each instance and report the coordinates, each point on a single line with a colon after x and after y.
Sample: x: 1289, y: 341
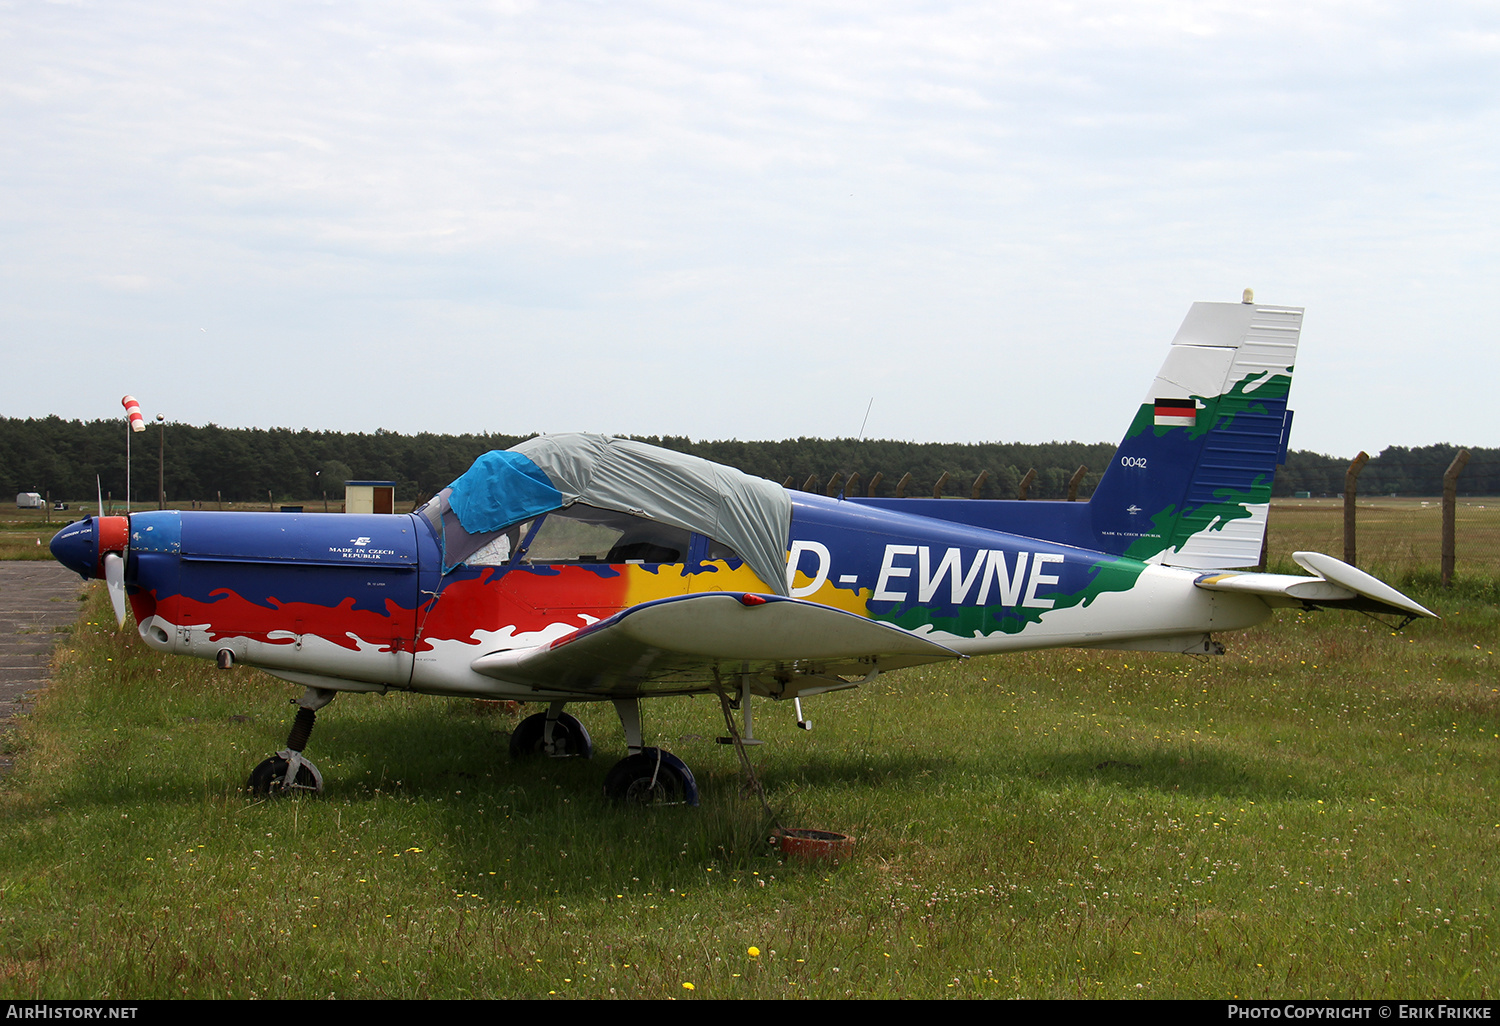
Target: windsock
x: 133, y: 411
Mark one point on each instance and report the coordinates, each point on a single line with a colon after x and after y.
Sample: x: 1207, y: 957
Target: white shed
x: 369, y: 496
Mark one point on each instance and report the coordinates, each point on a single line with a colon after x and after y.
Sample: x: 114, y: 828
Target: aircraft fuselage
x: 359, y: 602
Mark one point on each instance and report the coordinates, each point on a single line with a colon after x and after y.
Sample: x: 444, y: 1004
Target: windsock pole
x: 137, y: 423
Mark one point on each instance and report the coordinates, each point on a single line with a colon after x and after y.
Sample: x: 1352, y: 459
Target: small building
x: 369, y: 496
x: 29, y: 500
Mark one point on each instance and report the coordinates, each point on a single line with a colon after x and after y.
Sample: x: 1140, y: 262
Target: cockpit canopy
x: 623, y: 501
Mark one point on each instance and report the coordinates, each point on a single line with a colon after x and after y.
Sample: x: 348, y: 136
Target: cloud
x: 802, y: 203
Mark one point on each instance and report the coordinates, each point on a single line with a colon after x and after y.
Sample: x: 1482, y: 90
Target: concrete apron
x: 37, y: 600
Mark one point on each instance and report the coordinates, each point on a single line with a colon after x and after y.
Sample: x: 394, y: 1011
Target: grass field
x: 27, y: 537
x: 1313, y: 815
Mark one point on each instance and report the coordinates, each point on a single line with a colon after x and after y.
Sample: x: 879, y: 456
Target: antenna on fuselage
x: 861, y: 438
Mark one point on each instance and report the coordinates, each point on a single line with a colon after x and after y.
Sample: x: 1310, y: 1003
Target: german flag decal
x: 1176, y: 413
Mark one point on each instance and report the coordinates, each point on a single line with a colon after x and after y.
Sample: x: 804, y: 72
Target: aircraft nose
x: 76, y: 547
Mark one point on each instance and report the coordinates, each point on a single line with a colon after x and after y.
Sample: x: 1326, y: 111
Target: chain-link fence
x: 1392, y: 534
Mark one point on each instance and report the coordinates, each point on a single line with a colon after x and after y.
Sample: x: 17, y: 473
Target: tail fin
x: 1191, y: 482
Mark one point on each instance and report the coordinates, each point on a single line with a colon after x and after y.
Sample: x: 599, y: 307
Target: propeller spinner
x: 96, y: 547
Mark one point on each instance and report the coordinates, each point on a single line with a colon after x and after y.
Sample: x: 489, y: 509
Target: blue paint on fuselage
x: 903, y: 561
x: 1066, y: 523
x: 866, y: 542
x: 1163, y: 472
x: 156, y: 531
x: 272, y: 559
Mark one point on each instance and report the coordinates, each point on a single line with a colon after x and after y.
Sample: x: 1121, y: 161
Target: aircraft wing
x: 683, y: 643
x: 1337, y: 586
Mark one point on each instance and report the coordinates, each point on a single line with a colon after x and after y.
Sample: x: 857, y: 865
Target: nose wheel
x: 287, y: 772
x: 276, y: 776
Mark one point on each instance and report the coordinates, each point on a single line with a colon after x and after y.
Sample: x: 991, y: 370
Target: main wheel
x: 268, y: 779
x: 569, y: 739
x: 652, y: 777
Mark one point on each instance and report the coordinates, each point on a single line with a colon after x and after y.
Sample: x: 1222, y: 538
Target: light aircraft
x: 585, y: 568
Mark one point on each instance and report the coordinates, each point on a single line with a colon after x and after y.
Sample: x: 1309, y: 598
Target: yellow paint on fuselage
x: 850, y: 600
x: 722, y: 578
x: 667, y: 580
x: 648, y: 585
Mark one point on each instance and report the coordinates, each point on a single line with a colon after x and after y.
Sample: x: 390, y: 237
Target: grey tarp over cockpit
x: 751, y: 515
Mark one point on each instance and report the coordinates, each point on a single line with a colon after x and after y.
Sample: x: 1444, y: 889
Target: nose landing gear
x: 287, y: 771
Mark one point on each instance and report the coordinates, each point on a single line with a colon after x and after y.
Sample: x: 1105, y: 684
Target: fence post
x: 1450, y: 509
x: 902, y: 485
x: 1351, y: 488
x: 1026, y: 483
x: 811, y: 484
x: 833, y: 483
x: 984, y: 475
x: 1074, y: 482
x: 874, y: 484
x: 851, y: 486
x: 937, y: 489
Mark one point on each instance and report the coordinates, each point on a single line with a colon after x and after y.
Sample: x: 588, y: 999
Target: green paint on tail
x: 1114, y: 574
x: 1219, y: 411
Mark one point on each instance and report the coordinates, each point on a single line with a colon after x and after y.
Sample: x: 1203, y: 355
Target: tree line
x: 1398, y: 470
x: 60, y: 457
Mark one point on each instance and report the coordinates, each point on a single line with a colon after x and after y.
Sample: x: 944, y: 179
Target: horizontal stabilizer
x: 1337, y: 586
x: 687, y: 640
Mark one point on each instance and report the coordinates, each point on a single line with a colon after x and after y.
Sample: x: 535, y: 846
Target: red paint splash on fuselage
x: 521, y: 599
x: 524, y: 600
x: 231, y: 616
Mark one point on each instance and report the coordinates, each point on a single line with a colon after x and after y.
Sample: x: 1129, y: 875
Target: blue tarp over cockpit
x: 500, y: 489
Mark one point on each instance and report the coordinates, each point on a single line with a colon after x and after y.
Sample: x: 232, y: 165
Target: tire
x: 652, y: 777
x: 266, y: 780
x: 529, y: 739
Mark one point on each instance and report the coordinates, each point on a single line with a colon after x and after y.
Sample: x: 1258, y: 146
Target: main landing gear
x: 287, y: 771
x: 647, y: 776
x: 553, y: 733
x: 651, y: 777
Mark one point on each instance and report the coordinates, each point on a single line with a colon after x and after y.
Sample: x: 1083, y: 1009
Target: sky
x: 981, y: 222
